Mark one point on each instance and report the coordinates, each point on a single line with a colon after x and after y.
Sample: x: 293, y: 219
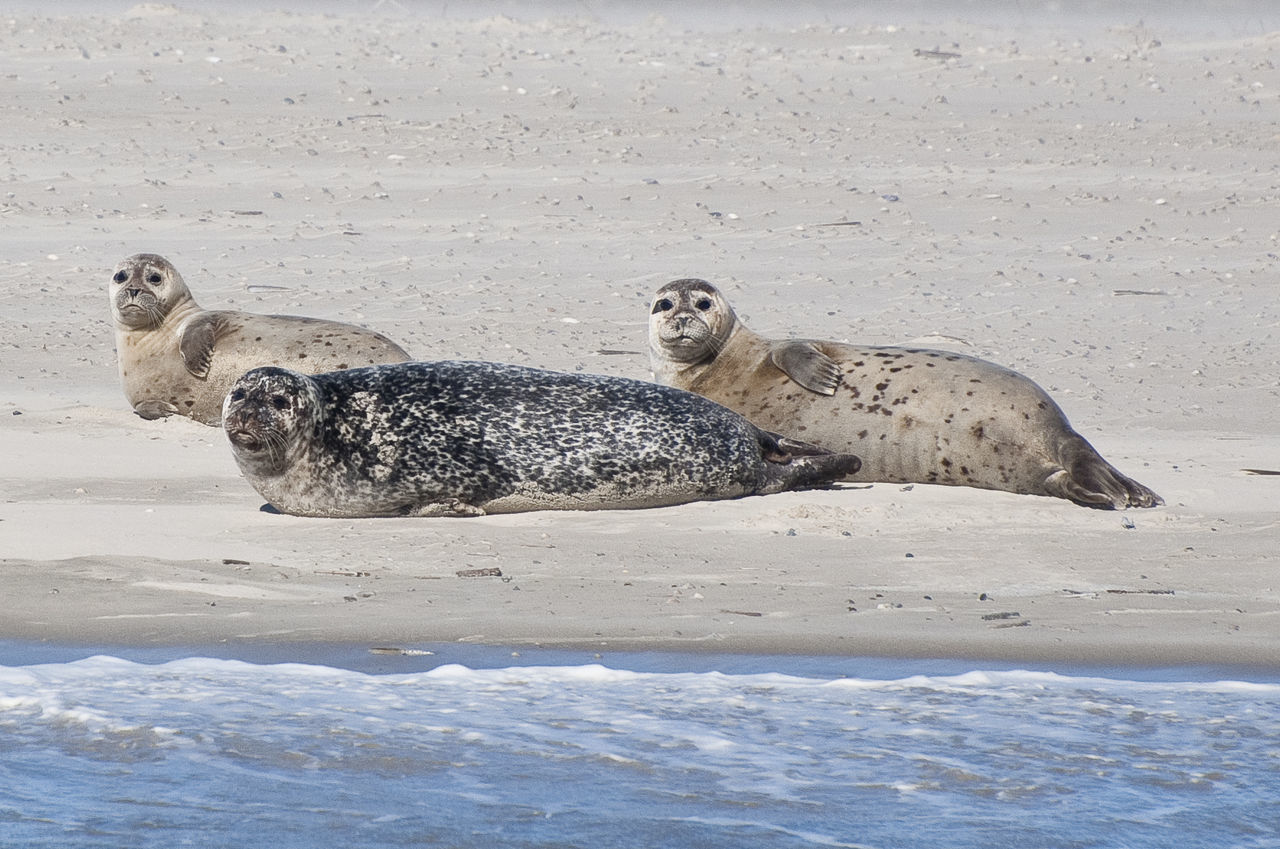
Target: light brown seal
x: 178, y: 359
x: 912, y: 415
x: 458, y: 438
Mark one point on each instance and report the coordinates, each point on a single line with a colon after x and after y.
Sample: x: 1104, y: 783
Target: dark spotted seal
x: 911, y: 415
x: 178, y: 359
x: 467, y: 438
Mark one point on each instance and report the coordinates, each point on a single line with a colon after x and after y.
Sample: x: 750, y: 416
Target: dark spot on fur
x: 862, y: 434
x: 882, y: 386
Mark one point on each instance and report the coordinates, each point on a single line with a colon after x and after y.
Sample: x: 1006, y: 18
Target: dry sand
x: 1094, y: 204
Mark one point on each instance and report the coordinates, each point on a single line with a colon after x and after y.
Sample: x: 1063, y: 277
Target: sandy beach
x: 1093, y: 202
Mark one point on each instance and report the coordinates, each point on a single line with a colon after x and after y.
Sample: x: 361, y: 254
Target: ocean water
x: 197, y: 751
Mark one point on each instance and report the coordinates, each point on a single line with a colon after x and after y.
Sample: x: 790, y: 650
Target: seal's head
x: 690, y: 322
x: 144, y: 288
x: 267, y: 415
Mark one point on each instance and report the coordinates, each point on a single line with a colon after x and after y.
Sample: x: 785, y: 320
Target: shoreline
x: 385, y: 660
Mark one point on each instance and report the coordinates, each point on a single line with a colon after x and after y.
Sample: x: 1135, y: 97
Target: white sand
x: 1097, y: 206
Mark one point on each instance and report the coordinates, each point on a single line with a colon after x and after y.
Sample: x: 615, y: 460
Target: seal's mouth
x: 255, y: 443
x: 137, y: 311
x: 246, y: 439
x: 683, y: 331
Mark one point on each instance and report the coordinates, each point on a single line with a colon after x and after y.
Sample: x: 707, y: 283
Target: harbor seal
x: 457, y: 438
x: 911, y: 414
x: 178, y: 359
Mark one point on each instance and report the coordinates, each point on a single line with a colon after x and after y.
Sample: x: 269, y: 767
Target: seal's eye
x: 121, y: 276
x: 704, y: 304
x: 279, y: 402
x: 154, y: 277
x: 237, y: 394
x: 663, y: 305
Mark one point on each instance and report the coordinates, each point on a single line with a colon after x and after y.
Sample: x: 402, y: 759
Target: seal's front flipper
x: 153, y: 408
x: 806, y: 365
x: 451, y: 507
x: 197, y: 341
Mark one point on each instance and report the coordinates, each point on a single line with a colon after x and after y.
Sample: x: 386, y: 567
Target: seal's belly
x: 918, y: 418
x: 151, y: 370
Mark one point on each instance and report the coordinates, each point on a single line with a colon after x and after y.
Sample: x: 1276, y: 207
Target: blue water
x: 198, y: 751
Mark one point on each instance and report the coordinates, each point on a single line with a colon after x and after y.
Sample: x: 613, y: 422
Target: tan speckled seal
x: 178, y: 359
x: 911, y: 414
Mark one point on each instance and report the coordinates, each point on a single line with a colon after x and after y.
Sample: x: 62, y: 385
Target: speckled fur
x: 464, y: 438
x: 911, y: 414
x: 178, y: 359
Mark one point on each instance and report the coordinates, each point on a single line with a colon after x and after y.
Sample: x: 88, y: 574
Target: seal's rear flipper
x: 792, y: 464
x: 781, y: 449
x: 807, y: 472
x: 1091, y: 481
